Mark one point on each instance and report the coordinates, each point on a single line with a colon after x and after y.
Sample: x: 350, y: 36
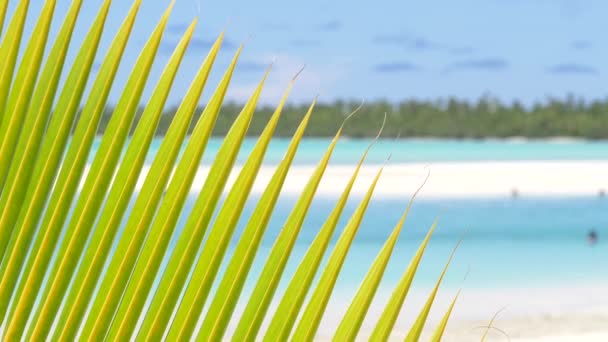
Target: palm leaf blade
x: 9, y: 49
x: 38, y: 112
x: 46, y: 165
x: 311, y: 318
x: 354, y: 316
x: 286, y: 313
x: 18, y: 100
x: 196, y: 225
x: 225, y: 298
x: 156, y: 244
x: 73, y: 166
x: 416, y: 330
x: 387, y: 320
x: 85, y: 247
x: 444, y: 321
x: 154, y: 184
x: 121, y: 190
x: 264, y: 290
x: 3, y: 7
x: 128, y: 248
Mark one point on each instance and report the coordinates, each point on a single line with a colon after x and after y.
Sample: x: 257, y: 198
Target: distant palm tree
x: 57, y: 220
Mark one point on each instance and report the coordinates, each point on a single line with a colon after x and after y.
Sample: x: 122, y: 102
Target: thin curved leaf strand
x: 387, y: 320
x: 257, y: 306
x: 438, y: 335
x: 121, y: 190
x: 22, y: 166
x: 311, y: 318
x: 416, y: 330
x: 194, y: 230
x: 19, y: 100
x: 225, y: 298
x: 71, y: 172
x: 491, y: 326
x: 48, y: 163
x: 3, y: 7
x: 154, y: 184
x: 9, y: 50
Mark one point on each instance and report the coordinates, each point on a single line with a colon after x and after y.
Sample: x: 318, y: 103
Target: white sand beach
x: 528, y: 314
x: 554, y: 314
x: 465, y: 179
x: 524, y: 315
x: 455, y: 179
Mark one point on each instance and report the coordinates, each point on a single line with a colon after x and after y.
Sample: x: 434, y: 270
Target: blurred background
x: 502, y: 101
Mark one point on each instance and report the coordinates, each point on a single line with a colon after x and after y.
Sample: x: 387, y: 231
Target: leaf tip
x: 293, y: 79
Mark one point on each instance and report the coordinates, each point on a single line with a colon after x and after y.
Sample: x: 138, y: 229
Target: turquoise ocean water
x: 522, y: 242
x: 417, y: 150
x: 506, y: 242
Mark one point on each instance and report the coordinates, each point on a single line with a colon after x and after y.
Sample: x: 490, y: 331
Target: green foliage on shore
x: 450, y: 118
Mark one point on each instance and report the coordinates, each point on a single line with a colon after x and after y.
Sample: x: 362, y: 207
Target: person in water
x: 592, y: 237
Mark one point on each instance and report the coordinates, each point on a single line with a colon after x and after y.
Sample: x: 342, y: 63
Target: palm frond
x: 444, y: 321
x: 18, y: 101
x: 59, y: 217
x: 9, y: 50
x: 288, y: 309
x: 387, y: 320
x: 311, y: 318
x: 416, y: 330
x: 274, y: 266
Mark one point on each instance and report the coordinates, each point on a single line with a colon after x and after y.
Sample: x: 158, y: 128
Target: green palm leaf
x: 18, y: 102
x: 55, y: 241
x: 159, y: 172
x: 148, y: 264
x: 286, y: 313
x: 444, y: 321
x: 119, y: 195
x: 154, y: 184
x: 196, y: 225
x: 35, y: 122
x: 416, y: 330
x: 52, y: 146
x: 354, y: 316
x: 225, y: 299
x: 3, y: 7
x: 268, y: 281
x: 100, y: 174
x: 311, y: 318
x: 393, y: 307
x: 168, y: 214
x: 9, y: 49
x: 67, y: 182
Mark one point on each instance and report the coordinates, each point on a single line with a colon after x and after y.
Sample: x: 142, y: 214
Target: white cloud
x: 314, y: 80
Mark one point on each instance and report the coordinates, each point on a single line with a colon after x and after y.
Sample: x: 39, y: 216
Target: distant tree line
x: 451, y: 118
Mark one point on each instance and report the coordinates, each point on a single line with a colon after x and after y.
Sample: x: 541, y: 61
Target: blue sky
x: 513, y: 49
